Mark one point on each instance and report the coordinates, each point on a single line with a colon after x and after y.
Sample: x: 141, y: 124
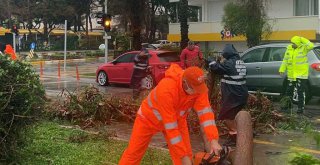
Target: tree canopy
x: 247, y: 18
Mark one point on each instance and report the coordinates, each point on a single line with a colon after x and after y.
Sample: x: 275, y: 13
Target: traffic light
x: 106, y: 20
x: 15, y: 30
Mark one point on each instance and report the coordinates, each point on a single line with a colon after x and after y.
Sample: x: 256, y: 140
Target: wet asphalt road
x: 268, y: 149
x: 86, y: 68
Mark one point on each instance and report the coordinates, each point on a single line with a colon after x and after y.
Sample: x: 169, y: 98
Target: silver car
x: 263, y: 63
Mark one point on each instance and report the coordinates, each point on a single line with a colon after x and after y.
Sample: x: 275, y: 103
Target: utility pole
x: 105, y: 33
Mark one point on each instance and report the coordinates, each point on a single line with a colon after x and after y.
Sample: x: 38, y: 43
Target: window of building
x: 306, y: 7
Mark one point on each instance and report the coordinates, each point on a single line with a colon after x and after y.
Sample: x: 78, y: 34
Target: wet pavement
x: 276, y: 149
x: 268, y: 149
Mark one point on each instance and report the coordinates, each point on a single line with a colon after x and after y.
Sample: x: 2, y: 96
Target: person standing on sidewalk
x: 166, y: 109
x: 191, y: 56
x: 233, y: 88
x: 140, y: 71
x: 295, y: 62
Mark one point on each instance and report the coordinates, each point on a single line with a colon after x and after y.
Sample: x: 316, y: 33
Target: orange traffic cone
x: 77, y: 72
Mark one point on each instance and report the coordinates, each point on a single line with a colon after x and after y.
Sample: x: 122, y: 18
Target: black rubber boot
x: 300, y: 110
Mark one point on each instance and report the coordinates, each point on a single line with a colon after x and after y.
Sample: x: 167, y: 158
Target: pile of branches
x: 264, y: 116
x: 87, y: 107
x: 21, y: 101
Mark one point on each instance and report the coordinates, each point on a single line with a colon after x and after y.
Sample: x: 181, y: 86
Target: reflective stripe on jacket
x: 168, y: 103
x: 295, y: 61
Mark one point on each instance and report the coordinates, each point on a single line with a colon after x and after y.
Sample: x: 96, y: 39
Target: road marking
x: 290, y: 147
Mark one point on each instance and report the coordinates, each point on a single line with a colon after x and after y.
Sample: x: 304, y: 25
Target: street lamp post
x: 106, y: 35
x: 65, y: 45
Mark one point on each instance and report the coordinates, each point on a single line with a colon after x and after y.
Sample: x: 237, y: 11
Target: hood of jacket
x: 229, y: 51
x: 174, y: 72
x: 296, y: 40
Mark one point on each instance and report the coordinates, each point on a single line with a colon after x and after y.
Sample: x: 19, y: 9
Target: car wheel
x: 148, y: 82
x: 103, y: 78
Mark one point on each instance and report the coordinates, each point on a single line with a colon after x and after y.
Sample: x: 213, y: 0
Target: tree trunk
x: 87, y: 31
x: 153, y: 23
x: 90, y: 22
x: 45, y: 30
x: 184, y: 27
x: 253, y: 33
x: 244, y: 151
x: 147, y: 21
x: 75, y: 24
x: 136, y: 19
x: 87, y: 25
x: 79, y: 23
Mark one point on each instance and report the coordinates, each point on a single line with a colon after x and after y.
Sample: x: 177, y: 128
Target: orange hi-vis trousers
x: 142, y: 132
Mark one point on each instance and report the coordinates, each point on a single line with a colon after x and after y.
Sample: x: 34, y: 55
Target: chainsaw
x: 203, y: 158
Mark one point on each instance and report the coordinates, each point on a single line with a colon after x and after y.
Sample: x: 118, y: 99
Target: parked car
x: 159, y: 43
x: 263, y: 63
x: 119, y: 71
x: 148, y: 46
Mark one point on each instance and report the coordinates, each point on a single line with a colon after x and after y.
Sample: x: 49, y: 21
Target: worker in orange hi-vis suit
x: 7, y: 49
x: 165, y: 110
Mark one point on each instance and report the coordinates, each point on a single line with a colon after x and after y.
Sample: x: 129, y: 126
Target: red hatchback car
x: 119, y: 71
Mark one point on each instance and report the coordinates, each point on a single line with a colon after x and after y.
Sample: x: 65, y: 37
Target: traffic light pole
x: 106, y: 35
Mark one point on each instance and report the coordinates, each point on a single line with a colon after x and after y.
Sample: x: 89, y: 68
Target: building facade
x: 287, y: 18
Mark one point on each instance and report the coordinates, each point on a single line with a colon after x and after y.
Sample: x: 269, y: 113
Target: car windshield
x: 169, y: 57
x: 317, y: 51
x: 158, y: 42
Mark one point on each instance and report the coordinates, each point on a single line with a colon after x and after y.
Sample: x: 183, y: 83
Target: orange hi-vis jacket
x: 9, y: 50
x: 168, y: 103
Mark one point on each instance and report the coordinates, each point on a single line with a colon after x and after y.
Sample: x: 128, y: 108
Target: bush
x: 303, y: 159
x: 88, y: 108
x: 58, y: 43
x: 21, y: 100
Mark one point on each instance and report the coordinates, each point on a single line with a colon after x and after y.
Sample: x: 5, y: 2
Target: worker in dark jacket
x: 140, y: 71
x: 233, y: 87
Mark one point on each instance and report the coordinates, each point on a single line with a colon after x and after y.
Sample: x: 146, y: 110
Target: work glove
x: 215, y: 147
x: 212, y: 64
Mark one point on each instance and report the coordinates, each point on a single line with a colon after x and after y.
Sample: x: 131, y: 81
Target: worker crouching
x: 165, y: 110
